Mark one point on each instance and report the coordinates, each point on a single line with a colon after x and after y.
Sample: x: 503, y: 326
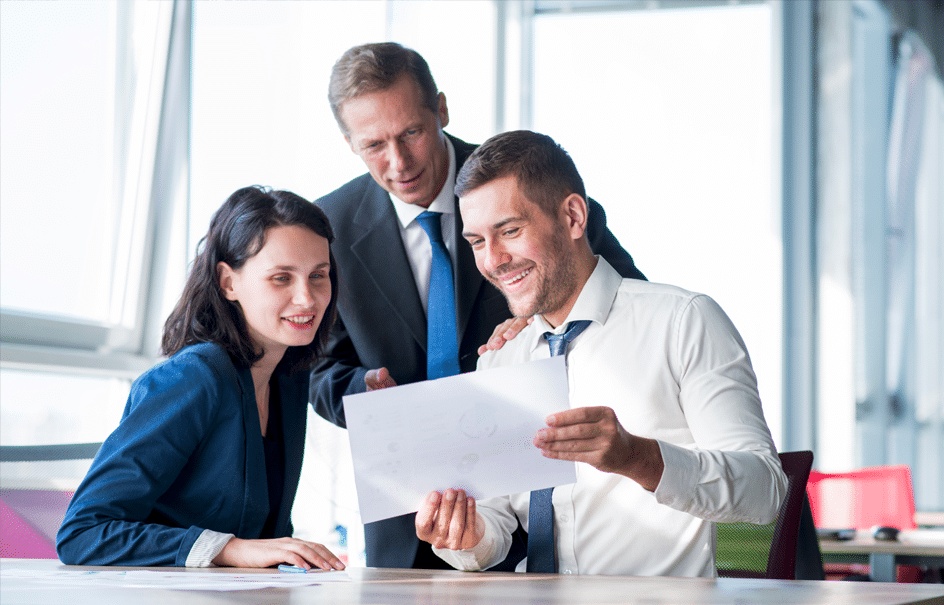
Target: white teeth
x: 518, y: 277
x: 300, y: 320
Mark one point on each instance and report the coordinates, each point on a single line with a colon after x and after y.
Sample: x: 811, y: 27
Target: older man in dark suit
x: 390, y: 327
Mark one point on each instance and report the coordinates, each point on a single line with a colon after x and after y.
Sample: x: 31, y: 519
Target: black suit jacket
x: 381, y: 322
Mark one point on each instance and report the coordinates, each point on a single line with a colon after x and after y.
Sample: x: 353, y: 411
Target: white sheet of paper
x: 177, y: 579
x: 473, y: 431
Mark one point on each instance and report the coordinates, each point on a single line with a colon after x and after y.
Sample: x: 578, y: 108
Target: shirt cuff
x: 472, y: 559
x: 208, y: 545
x: 679, y: 477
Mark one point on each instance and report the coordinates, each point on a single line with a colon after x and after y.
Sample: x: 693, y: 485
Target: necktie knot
x: 431, y: 224
x: 558, y: 342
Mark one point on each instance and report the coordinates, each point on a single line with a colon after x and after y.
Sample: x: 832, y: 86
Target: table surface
x: 417, y: 587
x: 928, y: 542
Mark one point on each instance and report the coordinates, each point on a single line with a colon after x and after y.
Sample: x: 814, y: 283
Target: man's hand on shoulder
x: 595, y: 436
x: 504, y: 332
x: 378, y: 379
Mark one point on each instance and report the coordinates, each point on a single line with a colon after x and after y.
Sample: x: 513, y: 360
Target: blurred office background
x: 785, y: 157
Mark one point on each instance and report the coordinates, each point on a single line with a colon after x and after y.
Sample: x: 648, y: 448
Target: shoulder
x: 463, y: 149
x: 516, y: 351
x: 200, y: 364
x: 343, y: 201
x: 684, y: 310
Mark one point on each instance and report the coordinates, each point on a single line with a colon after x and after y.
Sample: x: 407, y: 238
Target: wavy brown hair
x: 237, y: 233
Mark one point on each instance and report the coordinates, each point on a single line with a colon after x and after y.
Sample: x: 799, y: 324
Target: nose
x: 400, y: 158
x: 302, y: 296
x: 494, y: 256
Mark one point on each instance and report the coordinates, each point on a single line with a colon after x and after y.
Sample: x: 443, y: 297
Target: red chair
x: 862, y: 499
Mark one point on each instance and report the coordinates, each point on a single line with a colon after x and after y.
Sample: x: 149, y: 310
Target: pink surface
x: 19, y: 539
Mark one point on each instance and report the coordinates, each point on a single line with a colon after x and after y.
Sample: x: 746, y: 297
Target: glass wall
x: 669, y: 116
x: 260, y: 115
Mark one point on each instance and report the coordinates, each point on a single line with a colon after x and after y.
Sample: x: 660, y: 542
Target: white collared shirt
x: 415, y: 241
x: 673, y: 368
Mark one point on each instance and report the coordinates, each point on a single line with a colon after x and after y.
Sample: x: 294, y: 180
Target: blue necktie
x: 442, y: 347
x: 541, y: 555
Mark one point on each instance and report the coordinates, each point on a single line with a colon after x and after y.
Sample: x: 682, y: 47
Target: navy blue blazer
x: 187, y: 456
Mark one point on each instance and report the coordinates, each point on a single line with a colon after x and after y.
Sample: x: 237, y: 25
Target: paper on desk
x: 474, y: 431
x: 177, y: 579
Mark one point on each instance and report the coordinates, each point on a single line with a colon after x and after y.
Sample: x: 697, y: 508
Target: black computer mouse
x: 885, y: 533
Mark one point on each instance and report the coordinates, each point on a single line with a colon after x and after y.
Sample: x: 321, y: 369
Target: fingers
x: 307, y: 554
x: 426, y: 517
x: 266, y: 553
x: 444, y: 520
x: 580, y: 416
x: 448, y: 521
x: 505, y: 331
x: 378, y: 379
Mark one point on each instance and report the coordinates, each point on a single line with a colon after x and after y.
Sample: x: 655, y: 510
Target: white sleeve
x: 208, y: 545
x: 734, y: 474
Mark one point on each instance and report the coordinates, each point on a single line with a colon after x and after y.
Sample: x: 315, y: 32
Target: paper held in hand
x: 473, y: 431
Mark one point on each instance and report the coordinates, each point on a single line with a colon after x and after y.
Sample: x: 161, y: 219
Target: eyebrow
x: 497, y: 225
x: 294, y: 268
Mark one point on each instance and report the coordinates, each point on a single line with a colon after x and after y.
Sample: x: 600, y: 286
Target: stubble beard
x: 556, y: 282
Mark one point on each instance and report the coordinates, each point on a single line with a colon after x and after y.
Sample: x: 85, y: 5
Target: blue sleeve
x: 113, y: 519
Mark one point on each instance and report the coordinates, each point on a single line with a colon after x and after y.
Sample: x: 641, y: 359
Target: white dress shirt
x: 674, y: 368
x: 415, y: 241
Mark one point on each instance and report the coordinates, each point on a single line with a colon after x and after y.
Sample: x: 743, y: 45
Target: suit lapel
x: 379, y: 250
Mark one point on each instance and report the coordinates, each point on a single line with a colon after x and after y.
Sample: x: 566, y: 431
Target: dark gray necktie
x: 541, y: 555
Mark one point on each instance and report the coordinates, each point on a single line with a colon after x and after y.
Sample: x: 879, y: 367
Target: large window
x: 260, y: 115
x: 80, y: 100
x: 669, y: 115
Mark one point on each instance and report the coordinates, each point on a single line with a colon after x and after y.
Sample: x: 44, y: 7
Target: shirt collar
x: 445, y: 202
x: 594, y: 303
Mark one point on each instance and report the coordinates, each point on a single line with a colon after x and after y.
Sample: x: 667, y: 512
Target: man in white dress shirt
x: 665, y: 422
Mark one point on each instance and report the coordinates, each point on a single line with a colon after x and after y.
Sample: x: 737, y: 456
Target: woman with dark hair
x: 204, y: 465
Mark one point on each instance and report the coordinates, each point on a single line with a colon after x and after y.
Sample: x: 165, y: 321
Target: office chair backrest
x: 861, y: 499
x: 745, y: 550
x: 36, y: 486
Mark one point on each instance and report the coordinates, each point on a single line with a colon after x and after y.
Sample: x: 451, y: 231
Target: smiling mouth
x: 301, y: 322
x: 510, y: 281
x: 412, y: 181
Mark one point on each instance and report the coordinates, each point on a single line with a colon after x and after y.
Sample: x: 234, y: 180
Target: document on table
x: 179, y: 579
x: 473, y: 431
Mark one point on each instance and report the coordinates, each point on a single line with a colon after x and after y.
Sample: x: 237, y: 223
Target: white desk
x: 915, y: 547
x: 415, y: 587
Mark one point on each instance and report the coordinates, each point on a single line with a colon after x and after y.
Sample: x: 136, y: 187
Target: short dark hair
x: 544, y: 171
x: 237, y: 233
x: 372, y: 67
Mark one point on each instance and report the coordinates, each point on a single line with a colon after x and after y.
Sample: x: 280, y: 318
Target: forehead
x: 292, y: 245
x: 493, y: 203
x: 385, y: 112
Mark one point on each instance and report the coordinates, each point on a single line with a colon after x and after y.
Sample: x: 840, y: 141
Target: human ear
x: 226, y: 275
x: 575, y: 214
x: 443, y: 112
